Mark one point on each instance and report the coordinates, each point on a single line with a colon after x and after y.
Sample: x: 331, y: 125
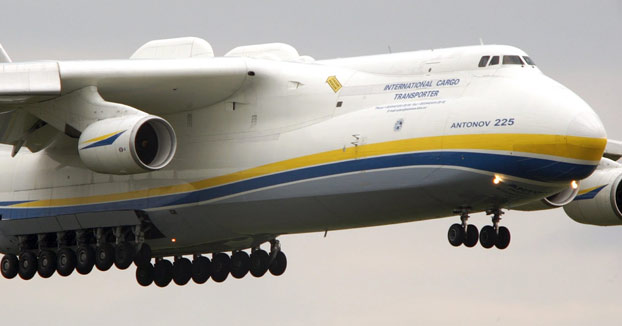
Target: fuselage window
x: 494, y: 60
x: 529, y: 61
x: 512, y: 60
x: 483, y: 61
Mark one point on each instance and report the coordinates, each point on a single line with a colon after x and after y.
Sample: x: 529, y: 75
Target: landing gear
x: 66, y: 262
x: 85, y: 259
x: 498, y: 236
x: 47, y: 263
x: 463, y: 233
x: 162, y: 272
x: 278, y: 261
x: 240, y: 264
x: 143, y: 256
x: 27, y: 265
x: 260, y: 262
x: 201, y: 269
x: 489, y: 236
x: 221, y: 266
x: 182, y: 270
x: 124, y: 255
x: 145, y: 274
x: 9, y: 266
x: 104, y: 256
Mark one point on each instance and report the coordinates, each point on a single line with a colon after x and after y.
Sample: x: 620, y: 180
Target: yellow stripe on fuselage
x: 570, y: 147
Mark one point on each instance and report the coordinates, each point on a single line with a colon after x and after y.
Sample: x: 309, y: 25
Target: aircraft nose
x: 586, y: 124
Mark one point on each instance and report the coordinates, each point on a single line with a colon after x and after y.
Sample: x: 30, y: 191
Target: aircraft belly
x: 361, y: 199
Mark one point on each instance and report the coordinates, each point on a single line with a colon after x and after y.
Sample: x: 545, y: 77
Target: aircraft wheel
x: 182, y: 271
x: 279, y: 264
x: 503, y: 238
x: 47, y: 263
x: 104, y: 256
x: 143, y: 256
x: 65, y: 262
x: 259, y: 262
x: 124, y: 255
x: 27, y: 265
x: 201, y: 267
x: 221, y: 266
x: 471, y: 237
x: 240, y: 264
x: 162, y: 273
x: 487, y: 237
x: 144, y: 274
x: 85, y: 259
x: 9, y: 266
x: 455, y: 235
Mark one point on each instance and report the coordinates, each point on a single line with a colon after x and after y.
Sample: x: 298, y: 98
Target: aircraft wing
x: 613, y: 151
x: 162, y: 77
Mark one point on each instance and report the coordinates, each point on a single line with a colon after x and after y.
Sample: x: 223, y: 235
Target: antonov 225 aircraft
x: 176, y: 153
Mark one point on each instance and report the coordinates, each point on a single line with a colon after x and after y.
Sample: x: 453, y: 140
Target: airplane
x: 175, y: 153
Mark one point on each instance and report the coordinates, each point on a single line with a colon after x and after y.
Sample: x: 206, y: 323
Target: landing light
x: 173, y: 240
x: 574, y: 184
x: 497, y: 179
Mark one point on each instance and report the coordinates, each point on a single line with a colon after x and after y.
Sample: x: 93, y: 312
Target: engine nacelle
x: 128, y: 144
x: 600, y: 198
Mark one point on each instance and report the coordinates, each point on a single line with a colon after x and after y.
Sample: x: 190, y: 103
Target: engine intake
x: 127, y: 145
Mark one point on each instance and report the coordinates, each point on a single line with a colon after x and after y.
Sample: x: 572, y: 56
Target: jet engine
x: 127, y: 145
x: 600, y: 198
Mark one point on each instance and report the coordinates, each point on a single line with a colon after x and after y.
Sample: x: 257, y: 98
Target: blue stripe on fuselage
x: 523, y: 167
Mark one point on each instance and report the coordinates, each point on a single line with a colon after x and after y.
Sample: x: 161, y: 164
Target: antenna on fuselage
x: 389, y: 47
x: 481, y: 41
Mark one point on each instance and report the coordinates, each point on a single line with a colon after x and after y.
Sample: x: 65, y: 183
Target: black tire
x: 27, y: 265
x: 182, y: 271
x: 240, y: 264
x: 279, y: 264
x: 201, y: 269
x: 124, y: 254
x: 144, y: 274
x: 65, y: 262
x: 260, y: 261
x: 9, y: 266
x: 503, y: 238
x: 85, y: 259
x: 487, y: 237
x: 104, y: 256
x: 455, y: 235
x: 162, y: 273
x: 472, y: 236
x: 46, y: 263
x: 143, y: 256
x: 221, y: 266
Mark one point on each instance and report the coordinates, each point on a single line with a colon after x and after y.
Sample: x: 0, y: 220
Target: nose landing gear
x: 463, y: 233
x: 489, y: 236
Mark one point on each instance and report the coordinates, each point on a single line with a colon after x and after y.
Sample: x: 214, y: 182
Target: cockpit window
x: 483, y: 61
x: 494, y: 60
x: 529, y: 61
x: 512, y: 60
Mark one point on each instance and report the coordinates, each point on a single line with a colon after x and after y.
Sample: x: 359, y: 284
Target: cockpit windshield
x: 488, y: 60
x: 512, y: 60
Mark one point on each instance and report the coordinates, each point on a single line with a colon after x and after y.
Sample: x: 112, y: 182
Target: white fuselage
x: 323, y: 145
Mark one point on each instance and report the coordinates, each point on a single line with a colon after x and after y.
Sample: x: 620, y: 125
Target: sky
x: 555, y: 271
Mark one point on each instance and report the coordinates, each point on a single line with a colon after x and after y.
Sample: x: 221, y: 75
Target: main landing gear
x: 489, y: 236
x: 201, y: 268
